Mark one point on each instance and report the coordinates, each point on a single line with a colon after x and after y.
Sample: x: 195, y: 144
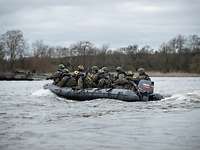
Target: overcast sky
x: 114, y: 22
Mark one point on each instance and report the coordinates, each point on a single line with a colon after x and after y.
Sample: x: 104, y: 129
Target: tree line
x: 179, y: 54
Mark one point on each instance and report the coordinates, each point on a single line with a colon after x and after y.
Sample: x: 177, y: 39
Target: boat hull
x: 95, y: 93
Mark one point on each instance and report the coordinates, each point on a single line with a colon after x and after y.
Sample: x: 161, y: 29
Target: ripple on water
x: 33, y: 118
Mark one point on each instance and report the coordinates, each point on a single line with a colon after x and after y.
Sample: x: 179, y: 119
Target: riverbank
x: 22, y: 76
x: 172, y: 74
x: 151, y: 74
x: 43, y: 76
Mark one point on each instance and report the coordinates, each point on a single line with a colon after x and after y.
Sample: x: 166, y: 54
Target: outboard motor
x: 145, y: 88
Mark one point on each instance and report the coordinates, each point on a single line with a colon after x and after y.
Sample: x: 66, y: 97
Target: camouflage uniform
x: 57, y: 76
x: 79, y: 76
x: 67, y: 79
x: 130, y: 84
x: 121, y: 80
x: 142, y: 75
x: 90, y: 80
x: 103, y: 78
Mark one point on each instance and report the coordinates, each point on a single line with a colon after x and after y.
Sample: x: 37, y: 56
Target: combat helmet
x: 65, y: 70
x: 119, y: 69
x: 61, y: 66
x: 141, y: 70
x: 105, y: 69
x: 129, y: 73
x: 95, y: 68
x: 80, y: 68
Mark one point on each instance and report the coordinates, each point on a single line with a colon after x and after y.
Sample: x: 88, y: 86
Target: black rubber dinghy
x: 95, y: 93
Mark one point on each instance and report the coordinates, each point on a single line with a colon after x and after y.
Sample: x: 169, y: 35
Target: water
x: 34, y: 118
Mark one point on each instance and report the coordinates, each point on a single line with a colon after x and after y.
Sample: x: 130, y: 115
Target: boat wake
x: 184, y: 101
x: 185, y: 96
x: 42, y: 92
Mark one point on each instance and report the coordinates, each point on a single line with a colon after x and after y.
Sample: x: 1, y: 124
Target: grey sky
x: 114, y: 22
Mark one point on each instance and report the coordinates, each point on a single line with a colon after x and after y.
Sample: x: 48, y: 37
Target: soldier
x: 95, y: 69
x: 129, y: 75
x: 66, y: 80
x: 80, y: 68
x: 79, y: 75
x: 57, y: 76
x: 90, y: 80
x: 131, y: 85
x: 103, y: 78
x: 120, y: 73
x: 121, y: 80
x: 142, y: 74
x: 94, y: 74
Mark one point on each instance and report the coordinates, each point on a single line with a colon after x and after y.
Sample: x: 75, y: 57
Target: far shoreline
x: 172, y: 74
x: 42, y: 76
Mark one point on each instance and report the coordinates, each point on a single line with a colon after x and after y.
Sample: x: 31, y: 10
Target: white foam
x: 195, y: 92
x: 42, y: 92
x: 175, y: 96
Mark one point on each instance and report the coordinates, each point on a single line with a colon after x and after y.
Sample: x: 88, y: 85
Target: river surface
x: 32, y: 118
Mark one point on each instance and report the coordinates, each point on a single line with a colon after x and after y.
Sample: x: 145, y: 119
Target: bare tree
x: 51, y: 52
x: 193, y: 43
x: 166, y: 48
x: 170, y: 46
x: 105, y: 48
x: 40, y: 49
x: 102, y: 53
x: 180, y: 41
x: 62, y: 52
x: 13, y: 44
x: 82, y: 49
x: 1, y: 52
x: 65, y: 52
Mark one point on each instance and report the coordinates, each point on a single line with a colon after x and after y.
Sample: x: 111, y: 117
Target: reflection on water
x: 34, y: 118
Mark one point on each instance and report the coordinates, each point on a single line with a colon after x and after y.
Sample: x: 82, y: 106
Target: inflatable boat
x: 144, y: 93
